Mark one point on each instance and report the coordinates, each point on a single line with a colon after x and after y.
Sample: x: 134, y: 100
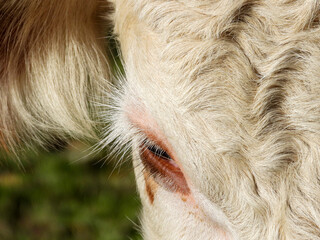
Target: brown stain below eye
x: 151, y: 186
x: 184, y: 198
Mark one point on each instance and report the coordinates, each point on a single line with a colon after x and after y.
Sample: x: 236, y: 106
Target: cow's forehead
x: 244, y: 52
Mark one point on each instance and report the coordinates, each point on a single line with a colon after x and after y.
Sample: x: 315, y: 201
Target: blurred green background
x: 68, y: 194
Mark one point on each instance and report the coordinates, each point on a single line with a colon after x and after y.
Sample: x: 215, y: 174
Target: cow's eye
x: 162, y: 167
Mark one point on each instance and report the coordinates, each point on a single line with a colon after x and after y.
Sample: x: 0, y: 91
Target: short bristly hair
x: 53, y: 67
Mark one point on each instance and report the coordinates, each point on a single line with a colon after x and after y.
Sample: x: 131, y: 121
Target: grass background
x: 57, y: 196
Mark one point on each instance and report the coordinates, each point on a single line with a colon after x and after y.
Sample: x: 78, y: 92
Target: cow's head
x: 221, y: 108
x: 220, y: 105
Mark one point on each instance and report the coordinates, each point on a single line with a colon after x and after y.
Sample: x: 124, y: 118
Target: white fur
x: 234, y: 87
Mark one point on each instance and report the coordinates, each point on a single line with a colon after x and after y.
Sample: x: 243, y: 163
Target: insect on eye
x: 162, y: 167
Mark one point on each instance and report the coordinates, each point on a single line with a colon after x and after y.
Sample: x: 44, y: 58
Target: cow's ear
x: 53, y: 69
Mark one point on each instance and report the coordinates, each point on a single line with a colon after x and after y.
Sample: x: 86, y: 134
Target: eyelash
x: 157, y: 150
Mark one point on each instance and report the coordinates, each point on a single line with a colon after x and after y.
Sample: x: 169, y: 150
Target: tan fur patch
x: 151, y: 186
x: 52, y: 68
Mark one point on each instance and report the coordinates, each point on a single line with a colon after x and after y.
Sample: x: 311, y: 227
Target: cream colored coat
x: 229, y: 89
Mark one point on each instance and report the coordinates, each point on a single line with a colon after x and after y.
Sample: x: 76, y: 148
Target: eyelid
x: 162, y: 153
x: 159, y: 152
x: 165, y: 171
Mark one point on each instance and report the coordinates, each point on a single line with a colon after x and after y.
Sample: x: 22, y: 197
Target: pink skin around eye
x: 167, y: 173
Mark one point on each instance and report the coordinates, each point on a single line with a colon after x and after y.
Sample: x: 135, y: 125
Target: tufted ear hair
x: 53, y: 67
